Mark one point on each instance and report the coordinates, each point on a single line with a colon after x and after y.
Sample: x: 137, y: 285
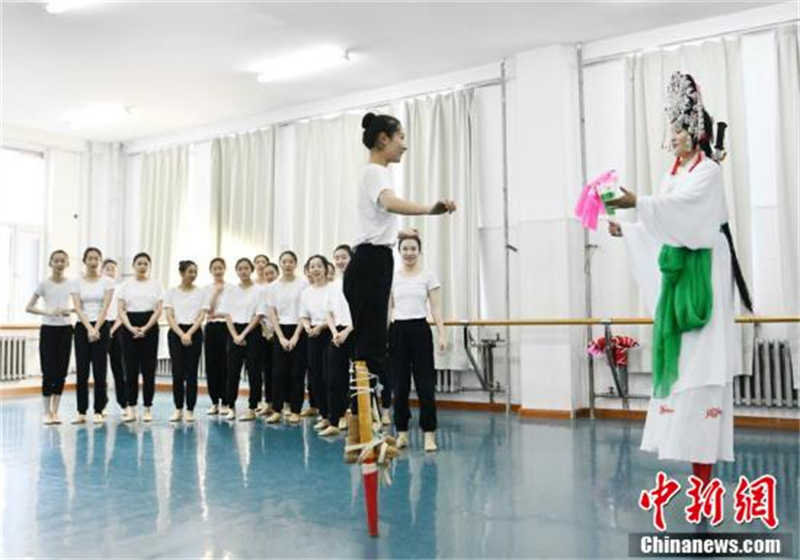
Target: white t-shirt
x: 92, y: 294
x: 111, y: 314
x: 375, y: 225
x: 56, y: 295
x: 285, y: 298
x: 240, y: 303
x: 411, y: 294
x: 186, y: 305
x: 140, y: 295
x: 337, y: 304
x: 312, y: 304
x: 209, y: 293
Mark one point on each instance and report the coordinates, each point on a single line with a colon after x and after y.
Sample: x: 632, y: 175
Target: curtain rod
x: 471, y: 85
x: 740, y: 33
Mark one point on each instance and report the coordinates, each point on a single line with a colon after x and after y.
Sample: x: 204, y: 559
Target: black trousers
x: 91, y: 355
x: 248, y: 356
x: 411, y: 350
x: 216, y: 347
x: 55, y: 347
x: 289, y: 372
x: 317, y: 352
x: 265, y: 349
x: 337, y: 379
x: 117, y: 366
x: 185, y: 361
x: 367, y: 286
x: 141, y: 357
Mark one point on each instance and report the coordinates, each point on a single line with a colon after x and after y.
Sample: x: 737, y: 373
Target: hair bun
x: 367, y: 120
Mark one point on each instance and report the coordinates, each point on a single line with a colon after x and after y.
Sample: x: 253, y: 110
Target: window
x: 22, y: 226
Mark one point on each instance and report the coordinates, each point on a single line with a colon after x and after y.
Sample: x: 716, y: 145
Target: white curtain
x: 440, y: 164
x: 717, y: 68
x: 242, y: 194
x: 788, y: 175
x: 163, y: 191
x: 327, y: 158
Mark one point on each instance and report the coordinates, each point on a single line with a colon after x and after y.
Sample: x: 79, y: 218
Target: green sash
x: 685, y: 305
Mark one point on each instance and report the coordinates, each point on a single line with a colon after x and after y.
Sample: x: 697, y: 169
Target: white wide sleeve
x: 689, y: 216
x: 643, y: 250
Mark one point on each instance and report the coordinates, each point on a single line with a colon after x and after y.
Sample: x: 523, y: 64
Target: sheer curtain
x: 440, y: 164
x: 163, y: 192
x: 787, y: 174
x: 242, y: 194
x: 717, y: 67
x: 327, y: 159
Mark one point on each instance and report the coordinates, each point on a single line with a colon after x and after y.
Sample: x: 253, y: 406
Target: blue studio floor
x: 498, y: 487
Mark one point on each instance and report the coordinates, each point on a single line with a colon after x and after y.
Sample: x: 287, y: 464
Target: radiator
x: 447, y: 381
x: 771, y: 383
x: 13, y: 358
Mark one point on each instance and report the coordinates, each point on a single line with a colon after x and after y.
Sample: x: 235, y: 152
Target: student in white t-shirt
x: 139, y: 306
x: 368, y: 280
x: 337, y: 380
x: 289, y: 352
x: 239, y: 303
x: 265, y: 275
x: 216, y: 341
x: 414, y: 291
x: 313, y: 319
x: 115, y: 338
x: 186, y: 307
x: 271, y: 274
x: 91, y: 294
x: 55, y: 333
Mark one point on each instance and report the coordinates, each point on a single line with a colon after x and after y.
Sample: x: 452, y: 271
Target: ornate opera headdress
x: 684, y: 107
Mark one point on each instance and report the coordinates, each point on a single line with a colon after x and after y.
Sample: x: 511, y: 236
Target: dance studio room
x: 382, y: 279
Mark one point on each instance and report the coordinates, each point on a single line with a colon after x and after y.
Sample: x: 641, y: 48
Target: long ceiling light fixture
x: 61, y: 6
x: 101, y: 114
x: 303, y: 63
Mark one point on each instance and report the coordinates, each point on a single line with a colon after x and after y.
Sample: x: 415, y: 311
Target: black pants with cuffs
x: 141, y: 357
x: 55, y: 347
x: 411, y: 350
x: 185, y: 362
x: 248, y: 356
x: 216, y: 358
x: 91, y: 355
x: 337, y: 379
x: 289, y: 371
x: 367, y: 287
x: 317, y: 352
x: 118, y: 366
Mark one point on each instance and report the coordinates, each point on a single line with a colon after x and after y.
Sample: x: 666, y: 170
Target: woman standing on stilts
x: 55, y: 334
x: 368, y: 278
x: 683, y: 262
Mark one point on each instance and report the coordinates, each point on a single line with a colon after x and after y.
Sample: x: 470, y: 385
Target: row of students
x: 277, y: 327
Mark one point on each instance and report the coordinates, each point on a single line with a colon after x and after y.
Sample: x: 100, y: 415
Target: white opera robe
x: 695, y: 421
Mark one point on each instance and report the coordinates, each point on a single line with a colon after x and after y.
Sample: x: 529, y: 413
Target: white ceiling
x: 185, y: 64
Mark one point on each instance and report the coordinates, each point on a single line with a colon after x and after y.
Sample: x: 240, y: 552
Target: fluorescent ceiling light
x: 302, y: 63
x: 100, y: 114
x: 61, y: 6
